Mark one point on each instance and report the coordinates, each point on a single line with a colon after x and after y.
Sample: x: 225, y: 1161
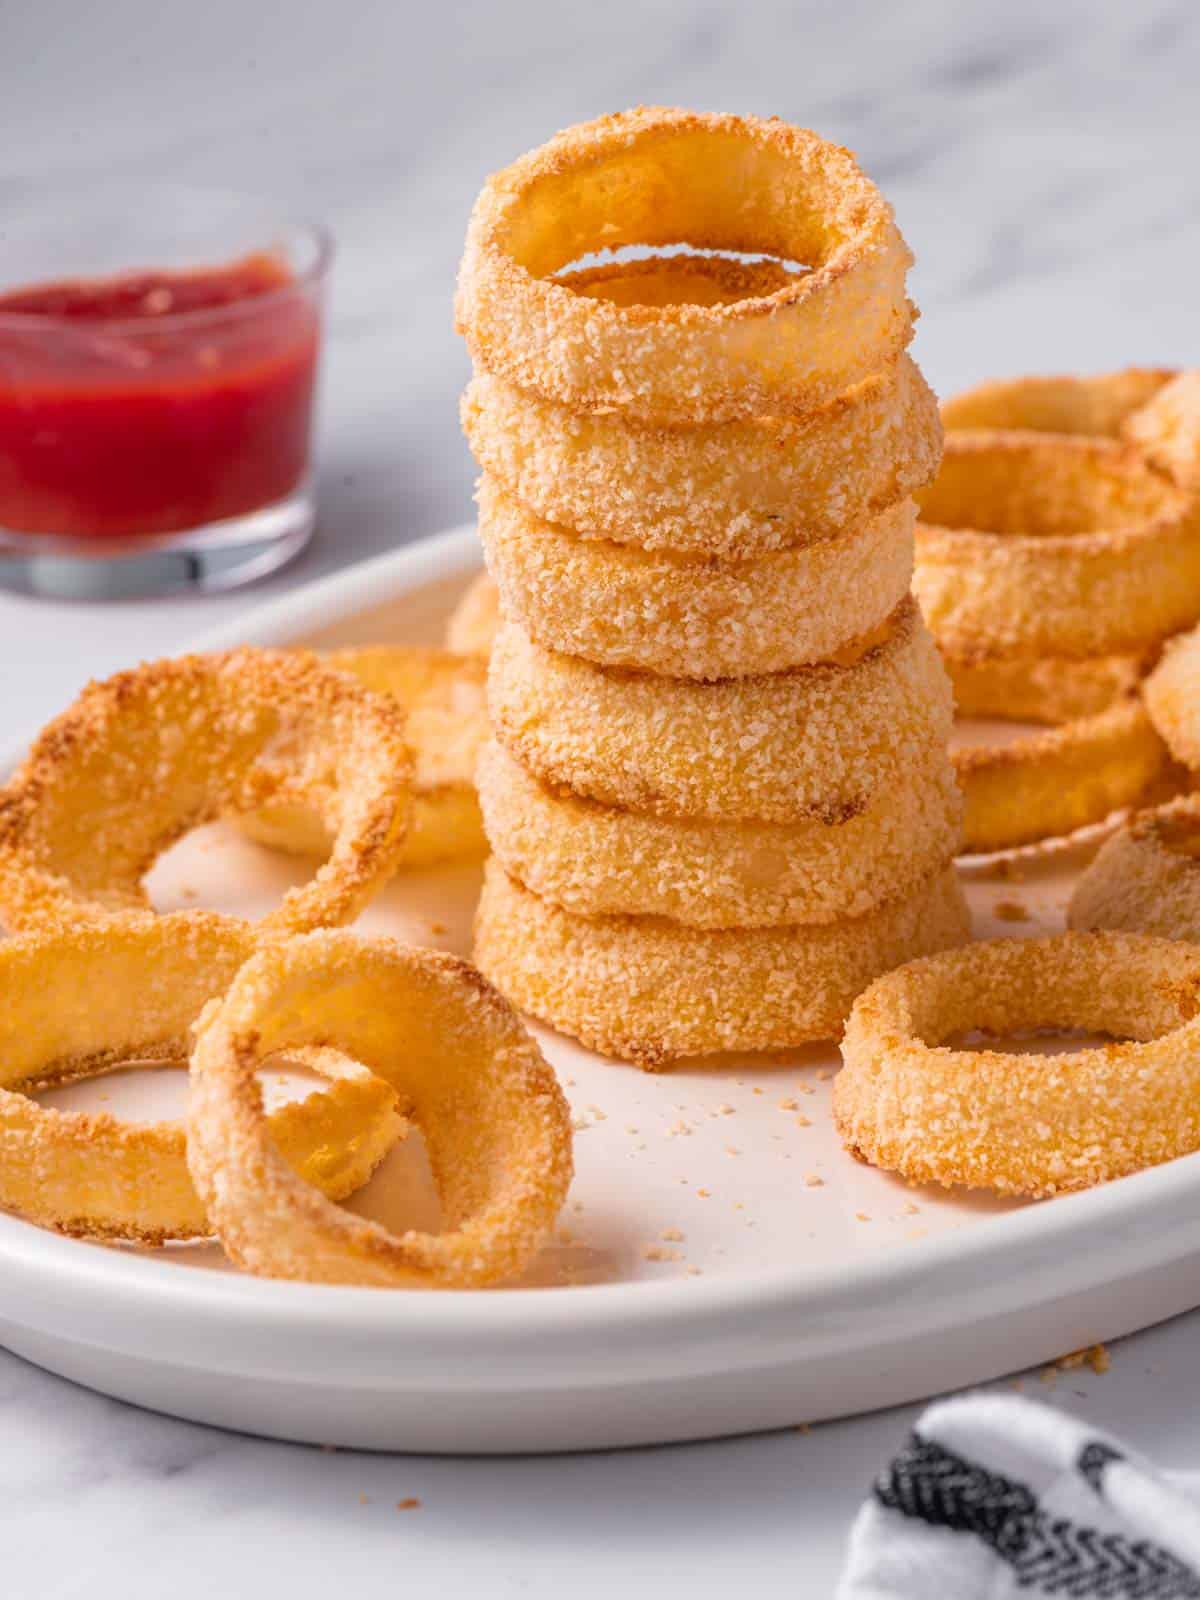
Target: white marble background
x: 1042, y: 158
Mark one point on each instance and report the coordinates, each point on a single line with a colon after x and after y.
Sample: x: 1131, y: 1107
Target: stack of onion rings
x: 149, y: 754
x: 495, y: 1123
x: 442, y: 695
x: 934, y: 1113
x: 82, y: 1001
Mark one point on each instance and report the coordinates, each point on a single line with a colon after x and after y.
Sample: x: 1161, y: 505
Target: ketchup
x: 156, y: 401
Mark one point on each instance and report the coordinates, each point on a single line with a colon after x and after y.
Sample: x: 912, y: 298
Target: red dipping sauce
x: 155, y: 401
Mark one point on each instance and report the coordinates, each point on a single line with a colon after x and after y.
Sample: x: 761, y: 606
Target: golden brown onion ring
x: 474, y: 620
x: 1099, y: 405
x: 694, y: 617
x: 1172, y: 696
x: 646, y: 990
x: 1036, y: 545
x: 1146, y: 878
x: 85, y: 1000
x: 596, y: 860
x: 442, y: 695
x: 149, y: 754
x: 658, y: 177
x: 732, y: 489
x: 907, y: 1102
x: 1045, y: 785
x: 1044, y: 689
x: 1167, y: 429
x: 495, y: 1123
x: 816, y: 742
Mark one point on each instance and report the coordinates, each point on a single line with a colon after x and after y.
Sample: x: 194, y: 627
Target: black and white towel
x: 996, y: 1497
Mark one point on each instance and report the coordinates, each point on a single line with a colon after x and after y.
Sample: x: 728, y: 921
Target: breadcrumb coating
x: 1035, y: 1125
x: 647, y: 990
x: 1172, y: 696
x: 1146, y: 878
x: 694, y: 617
x: 816, y: 742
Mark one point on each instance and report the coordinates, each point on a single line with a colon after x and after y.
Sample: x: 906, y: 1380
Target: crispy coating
x: 80, y: 1002
x: 656, y: 176
x: 1167, y: 428
x: 647, y: 990
x: 495, y: 1123
x: 1146, y: 878
x: 1172, y: 696
x: 1032, y: 545
x: 816, y: 742
x: 443, y: 698
x: 147, y: 755
x: 1039, y: 1125
x: 597, y: 860
x: 474, y: 620
x: 1044, y: 785
x: 730, y: 490
x: 694, y: 617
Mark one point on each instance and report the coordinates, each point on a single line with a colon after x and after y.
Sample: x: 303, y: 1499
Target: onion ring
x: 598, y: 861
x: 656, y: 177
x: 145, y: 756
x: 1172, y: 696
x: 82, y: 1001
x: 474, y: 620
x: 1167, y: 429
x: 495, y: 1122
x: 731, y: 489
x: 647, y: 990
x: 1100, y: 405
x: 694, y: 617
x: 1146, y: 878
x: 1088, y: 550
x: 1044, y: 689
x: 442, y: 696
x: 816, y: 742
x: 1046, y: 785
x: 936, y: 1114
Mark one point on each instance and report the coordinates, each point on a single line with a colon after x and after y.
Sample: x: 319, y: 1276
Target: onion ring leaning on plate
x: 647, y: 990
x: 656, y: 177
x: 815, y: 742
x: 442, y: 696
x: 729, y: 489
x: 907, y: 1102
x: 597, y: 860
x: 1172, y: 696
x: 495, y: 1122
x: 86, y: 1000
x: 1032, y: 545
x: 149, y: 754
x: 694, y: 617
x: 1146, y: 878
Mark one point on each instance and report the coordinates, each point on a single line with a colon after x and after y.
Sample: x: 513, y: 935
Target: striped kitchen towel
x: 994, y: 1496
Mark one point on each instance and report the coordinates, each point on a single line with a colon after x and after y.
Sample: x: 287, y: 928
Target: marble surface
x: 1041, y: 160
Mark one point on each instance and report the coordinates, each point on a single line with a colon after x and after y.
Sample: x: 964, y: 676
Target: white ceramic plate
x: 723, y: 1265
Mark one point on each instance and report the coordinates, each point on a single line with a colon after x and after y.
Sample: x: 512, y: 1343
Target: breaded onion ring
x: 1167, y: 428
x: 646, y: 990
x: 596, y: 860
x: 85, y: 1000
x: 149, y: 754
x: 474, y: 620
x: 1045, y: 785
x: 655, y: 177
x: 732, y: 489
x: 1045, y: 689
x: 816, y: 742
x: 495, y: 1122
x: 1146, y: 878
x: 1172, y: 696
x: 694, y: 617
x: 1100, y: 405
x: 1036, y: 545
x: 442, y: 695
x: 1039, y: 1125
